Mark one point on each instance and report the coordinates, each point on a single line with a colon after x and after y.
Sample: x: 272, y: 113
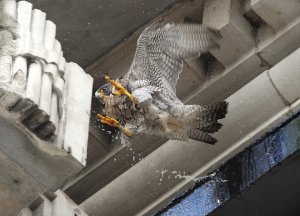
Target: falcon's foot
x: 114, y: 123
x: 108, y: 120
x: 119, y: 89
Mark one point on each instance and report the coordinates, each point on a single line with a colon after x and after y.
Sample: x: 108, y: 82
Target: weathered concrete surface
x: 275, y: 13
x: 58, y: 205
x: 226, y: 17
x: 29, y: 167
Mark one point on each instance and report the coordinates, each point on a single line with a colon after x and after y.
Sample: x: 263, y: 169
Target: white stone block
x: 57, y: 46
x: 44, y: 209
x: 289, y: 84
x: 52, y: 70
x: 38, y: 26
x: 37, y: 33
x: 78, y: 105
x: 64, y: 206
x: 282, y: 44
x: 54, y: 110
x: 5, y: 68
x: 49, y: 37
x: 276, y: 13
x: 24, y: 42
x: 24, y: 14
x: 62, y: 65
x: 25, y: 212
x: 46, y: 94
x: 52, y: 57
x: 226, y: 17
x: 7, y: 43
x: 49, y: 42
x: 10, y: 8
x: 19, y: 72
x: 34, y: 82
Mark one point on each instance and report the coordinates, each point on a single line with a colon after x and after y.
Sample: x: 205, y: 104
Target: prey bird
x: 144, y: 101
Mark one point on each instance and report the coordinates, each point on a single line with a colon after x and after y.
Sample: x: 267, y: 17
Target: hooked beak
x: 99, y: 94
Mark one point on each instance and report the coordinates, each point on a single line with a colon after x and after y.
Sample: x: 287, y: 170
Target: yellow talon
x: 120, y: 89
x: 108, y: 120
x: 114, y: 123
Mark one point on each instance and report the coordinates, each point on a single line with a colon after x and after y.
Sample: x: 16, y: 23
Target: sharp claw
x: 108, y: 120
x: 120, y: 89
x: 114, y: 123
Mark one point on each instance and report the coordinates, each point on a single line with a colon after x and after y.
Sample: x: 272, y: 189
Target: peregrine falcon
x: 144, y: 101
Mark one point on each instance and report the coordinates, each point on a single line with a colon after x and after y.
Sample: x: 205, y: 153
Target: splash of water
x: 181, y: 175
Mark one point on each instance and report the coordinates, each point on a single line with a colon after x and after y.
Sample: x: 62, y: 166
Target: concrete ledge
x: 29, y: 167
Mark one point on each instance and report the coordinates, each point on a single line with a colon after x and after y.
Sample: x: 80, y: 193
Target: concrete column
x: 275, y: 13
x: 34, y: 82
x: 19, y: 72
x: 226, y: 17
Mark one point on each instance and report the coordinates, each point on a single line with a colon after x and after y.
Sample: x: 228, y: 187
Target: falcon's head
x: 104, y: 90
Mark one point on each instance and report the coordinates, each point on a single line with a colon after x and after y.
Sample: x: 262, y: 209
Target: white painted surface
x: 46, y: 93
x: 34, y: 82
x: 19, y: 72
x: 78, y: 107
x: 10, y: 7
x: 286, y: 77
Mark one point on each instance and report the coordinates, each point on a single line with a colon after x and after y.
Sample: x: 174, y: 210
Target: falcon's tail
x: 202, y: 119
x: 207, y: 122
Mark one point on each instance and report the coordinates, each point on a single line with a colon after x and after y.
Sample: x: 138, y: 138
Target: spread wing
x: 160, y: 52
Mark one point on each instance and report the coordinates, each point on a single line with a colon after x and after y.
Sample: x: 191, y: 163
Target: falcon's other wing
x: 160, y: 52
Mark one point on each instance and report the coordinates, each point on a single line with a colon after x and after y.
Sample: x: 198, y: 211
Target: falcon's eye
x: 104, y: 90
